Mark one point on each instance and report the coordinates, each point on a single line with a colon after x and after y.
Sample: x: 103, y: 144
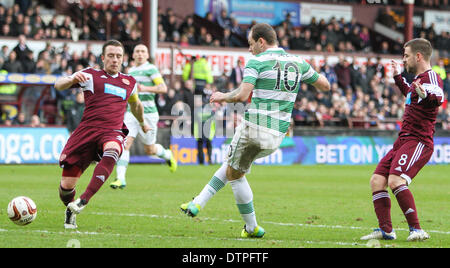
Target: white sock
x: 165, y: 154
x: 244, y: 201
x: 122, y: 165
x: 217, y: 182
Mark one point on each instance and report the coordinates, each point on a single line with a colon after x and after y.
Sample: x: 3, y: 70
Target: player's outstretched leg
x: 217, y: 182
x: 244, y: 200
x: 122, y: 165
x: 167, y: 155
x: 101, y: 174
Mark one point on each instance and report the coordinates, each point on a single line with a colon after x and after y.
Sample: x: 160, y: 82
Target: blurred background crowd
x: 361, y: 94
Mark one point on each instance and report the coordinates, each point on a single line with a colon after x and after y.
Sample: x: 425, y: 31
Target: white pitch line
x: 268, y: 222
x: 74, y: 232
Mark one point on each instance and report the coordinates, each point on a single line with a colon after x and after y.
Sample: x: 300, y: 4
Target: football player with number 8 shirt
x: 101, y: 133
x: 414, y: 145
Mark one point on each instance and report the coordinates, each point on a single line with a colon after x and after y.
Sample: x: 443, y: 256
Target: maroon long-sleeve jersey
x: 419, y: 118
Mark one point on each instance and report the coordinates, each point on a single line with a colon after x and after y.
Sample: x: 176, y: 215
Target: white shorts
x: 135, y: 129
x: 249, y: 144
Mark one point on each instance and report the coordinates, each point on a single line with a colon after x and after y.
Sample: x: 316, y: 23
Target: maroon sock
x: 382, y: 205
x: 405, y: 200
x: 101, y: 173
x: 66, y: 195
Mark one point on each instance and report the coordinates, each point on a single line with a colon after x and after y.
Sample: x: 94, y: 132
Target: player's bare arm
x: 322, y: 83
x: 157, y: 89
x: 137, y: 109
x: 238, y: 95
x: 68, y: 81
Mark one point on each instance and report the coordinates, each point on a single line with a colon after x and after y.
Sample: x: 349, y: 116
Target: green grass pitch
x: 298, y: 206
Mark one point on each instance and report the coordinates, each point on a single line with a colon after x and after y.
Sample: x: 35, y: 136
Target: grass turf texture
x: 298, y: 206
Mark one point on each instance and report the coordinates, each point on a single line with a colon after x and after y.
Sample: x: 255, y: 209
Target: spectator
x: 85, y: 34
x: 235, y: 28
x: 296, y: 41
x: 184, y: 41
x: 4, y: 52
x: 378, y: 69
x: 170, y: 27
x: 21, y: 48
x: 12, y: 65
x: 210, y: 17
x: 439, y: 68
x: 20, y: 119
x: 365, y: 39
x: 331, y: 35
x: 36, y: 121
x: 284, y: 43
x: 226, y: 39
x: 17, y: 25
x: 329, y: 73
x: 37, y: 24
x: 307, y: 42
x: 186, y: 24
x: 355, y: 38
x: 443, y: 44
x: 165, y: 102
x: 28, y: 64
x: 201, y: 40
x: 6, y: 30
x: 2, y: 15
x: 74, y: 112
x: 224, y: 20
x: 221, y: 82
x: 192, y: 40
x: 384, y: 48
x: 237, y: 73
x: 342, y: 70
x: 363, y: 80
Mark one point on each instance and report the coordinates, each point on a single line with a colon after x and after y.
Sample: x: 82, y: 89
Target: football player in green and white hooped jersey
x: 150, y: 83
x: 273, y: 78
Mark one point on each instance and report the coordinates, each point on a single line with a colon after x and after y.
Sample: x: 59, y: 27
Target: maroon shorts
x: 405, y: 159
x: 85, y: 145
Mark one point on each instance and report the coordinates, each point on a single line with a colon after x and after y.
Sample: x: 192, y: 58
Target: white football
x: 22, y: 210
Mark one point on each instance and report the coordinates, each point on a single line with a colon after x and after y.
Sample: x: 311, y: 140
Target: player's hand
x: 146, y: 128
x: 141, y: 88
x: 217, y: 97
x: 79, y: 77
x: 396, y: 67
x: 419, y: 89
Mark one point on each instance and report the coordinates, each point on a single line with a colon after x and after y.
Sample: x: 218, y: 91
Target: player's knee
x: 395, y: 181
x: 70, y: 176
x: 233, y: 174
x: 128, y: 143
x: 112, y: 145
x: 378, y: 182
x: 150, y: 149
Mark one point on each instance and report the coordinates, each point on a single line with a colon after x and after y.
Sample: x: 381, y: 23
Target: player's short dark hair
x: 114, y: 43
x: 420, y: 45
x: 264, y: 31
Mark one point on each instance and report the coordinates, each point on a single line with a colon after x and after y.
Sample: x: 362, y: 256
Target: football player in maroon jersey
x: 101, y: 133
x: 414, y: 145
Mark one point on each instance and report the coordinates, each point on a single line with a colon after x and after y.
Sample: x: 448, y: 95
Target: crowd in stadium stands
x: 361, y: 96
x: 395, y: 21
